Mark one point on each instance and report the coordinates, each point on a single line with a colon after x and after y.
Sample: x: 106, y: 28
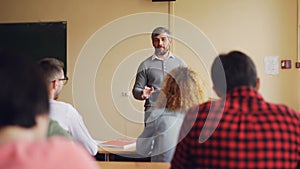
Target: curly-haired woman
x: 182, y: 89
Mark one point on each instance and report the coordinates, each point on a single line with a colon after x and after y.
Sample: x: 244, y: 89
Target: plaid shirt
x: 240, y: 132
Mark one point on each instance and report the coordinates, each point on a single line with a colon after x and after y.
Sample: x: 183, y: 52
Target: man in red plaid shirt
x: 241, y: 130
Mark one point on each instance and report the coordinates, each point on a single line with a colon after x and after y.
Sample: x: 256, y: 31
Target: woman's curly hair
x: 182, y: 89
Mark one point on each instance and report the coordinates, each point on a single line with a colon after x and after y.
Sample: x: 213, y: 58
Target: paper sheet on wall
x: 271, y: 64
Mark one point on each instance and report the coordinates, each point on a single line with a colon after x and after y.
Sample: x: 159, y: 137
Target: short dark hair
x: 232, y: 70
x: 23, y: 93
x: 50, y: 68
x: 159, y: 30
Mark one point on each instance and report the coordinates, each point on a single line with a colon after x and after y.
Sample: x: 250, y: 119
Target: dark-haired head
x: 232, y: 70
x: 23, y: 94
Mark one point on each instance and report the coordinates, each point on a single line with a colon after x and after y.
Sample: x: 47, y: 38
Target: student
x: 241, y: 130
x: 65, y: 114
x: 151, y: 72
x: 24, y: 122
x: 182, y: 89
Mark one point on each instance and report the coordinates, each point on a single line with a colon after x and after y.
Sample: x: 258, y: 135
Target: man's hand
x: 147, y: 92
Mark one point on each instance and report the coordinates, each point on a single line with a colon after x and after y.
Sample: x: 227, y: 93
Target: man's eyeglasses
x: 65, y: 80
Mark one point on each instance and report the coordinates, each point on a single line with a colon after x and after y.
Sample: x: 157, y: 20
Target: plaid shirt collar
x: 243, y: 91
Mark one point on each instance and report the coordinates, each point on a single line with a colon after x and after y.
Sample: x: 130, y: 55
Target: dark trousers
x: 147, y: 114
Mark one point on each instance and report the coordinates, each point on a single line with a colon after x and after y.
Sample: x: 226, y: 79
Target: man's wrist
x: 145, y: 97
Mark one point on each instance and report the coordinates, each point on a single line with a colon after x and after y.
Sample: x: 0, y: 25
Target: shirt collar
x: 243, y: 91
x: 169, y: 56
x: 51, y: 100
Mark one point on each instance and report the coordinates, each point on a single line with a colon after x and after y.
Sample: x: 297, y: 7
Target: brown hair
x: 51, y: 68
x: 181, y: 90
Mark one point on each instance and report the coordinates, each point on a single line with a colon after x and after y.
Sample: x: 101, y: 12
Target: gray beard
x: 160, y: 52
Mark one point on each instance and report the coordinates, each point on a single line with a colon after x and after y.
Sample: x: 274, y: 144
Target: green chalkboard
x: 36, y: 39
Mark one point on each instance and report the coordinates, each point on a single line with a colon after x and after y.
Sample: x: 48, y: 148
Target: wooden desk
x: 131, y: 150
x: 134, y: 165
x: 118, y: 151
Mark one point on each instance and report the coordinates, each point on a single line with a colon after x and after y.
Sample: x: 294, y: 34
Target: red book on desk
x: 123, y: 143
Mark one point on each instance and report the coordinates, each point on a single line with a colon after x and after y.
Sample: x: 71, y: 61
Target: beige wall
x: 104, y: 52
x: 260, y: 28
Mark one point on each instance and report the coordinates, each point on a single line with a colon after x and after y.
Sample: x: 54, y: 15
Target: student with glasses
x: 24, y: 121
x: 64, y: 113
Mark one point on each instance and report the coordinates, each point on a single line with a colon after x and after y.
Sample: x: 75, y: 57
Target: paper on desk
x: 99, y: 142
x: 123, y: 143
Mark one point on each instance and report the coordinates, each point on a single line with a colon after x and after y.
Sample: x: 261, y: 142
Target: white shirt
x: 69, y: 119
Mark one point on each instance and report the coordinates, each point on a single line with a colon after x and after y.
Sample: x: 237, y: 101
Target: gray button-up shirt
x: 151, y: 72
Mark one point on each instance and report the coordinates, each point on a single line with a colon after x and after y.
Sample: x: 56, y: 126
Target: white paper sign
x: 271, y: 65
